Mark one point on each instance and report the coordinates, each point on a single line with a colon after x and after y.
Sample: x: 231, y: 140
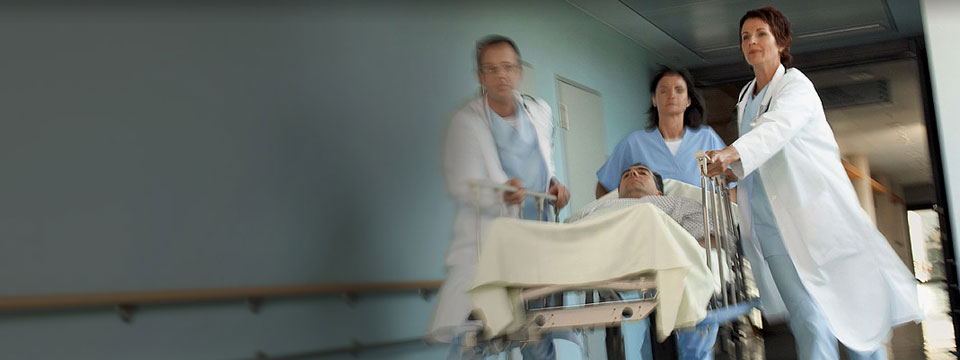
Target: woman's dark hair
x: 695, y: 114
x: 488, y: 40
x: 779, y: 26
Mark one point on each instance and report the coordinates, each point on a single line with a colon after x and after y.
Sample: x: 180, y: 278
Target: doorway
x: 580, y: 112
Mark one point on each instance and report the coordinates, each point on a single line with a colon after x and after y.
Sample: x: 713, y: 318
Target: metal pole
x: 539, y: 209
x: 500, y: 205
x: 714, y: 217
x: 738, y: 249
x: 731, y: 246
x: 728, y: 237
x: 722, y: 234
x: 520, y: 208
x: 704, y: 188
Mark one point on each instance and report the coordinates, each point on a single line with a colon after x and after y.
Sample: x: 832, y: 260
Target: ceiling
x: 696, y: 33
x: 892, y: 134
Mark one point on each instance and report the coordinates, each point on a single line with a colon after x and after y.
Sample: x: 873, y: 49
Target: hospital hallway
x: 937, y: 343
x: 320, y: 179
x: 938, y: 340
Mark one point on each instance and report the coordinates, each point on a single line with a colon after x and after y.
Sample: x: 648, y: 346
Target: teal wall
x: 215, y: 144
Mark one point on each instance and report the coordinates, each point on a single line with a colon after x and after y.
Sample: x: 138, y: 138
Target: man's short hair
x: 488, y: 40
x: 656, y: 177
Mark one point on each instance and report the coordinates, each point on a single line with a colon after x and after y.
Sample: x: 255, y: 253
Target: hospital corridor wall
x: 940, y: 29
x: 206, y: 144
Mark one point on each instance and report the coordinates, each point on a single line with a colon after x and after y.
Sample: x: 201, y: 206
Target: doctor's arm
x: 792, y: 109
x: 463, y: 163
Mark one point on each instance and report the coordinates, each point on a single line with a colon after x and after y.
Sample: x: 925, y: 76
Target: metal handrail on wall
x: 355, y: 349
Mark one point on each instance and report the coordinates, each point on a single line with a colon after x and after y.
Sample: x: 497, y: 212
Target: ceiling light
x: 861, y: 76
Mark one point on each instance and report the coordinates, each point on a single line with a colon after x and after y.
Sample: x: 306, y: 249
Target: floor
x: 937, y: 333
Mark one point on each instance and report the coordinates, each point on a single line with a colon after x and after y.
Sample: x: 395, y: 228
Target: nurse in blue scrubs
x: 667, y: 146
x: 676, y: 131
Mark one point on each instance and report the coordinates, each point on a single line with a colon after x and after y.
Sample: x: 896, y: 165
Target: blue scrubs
x: 520, y: 156
x: 761, y: 215
x: 810, y: 328
x: 648, y: 147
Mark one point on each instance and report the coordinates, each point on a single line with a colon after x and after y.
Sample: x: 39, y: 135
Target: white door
x: 581, y: 120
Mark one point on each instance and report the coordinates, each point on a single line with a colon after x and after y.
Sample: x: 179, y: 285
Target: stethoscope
x: 523, y: 103
x: 760, y: 111
x: 526, y: 110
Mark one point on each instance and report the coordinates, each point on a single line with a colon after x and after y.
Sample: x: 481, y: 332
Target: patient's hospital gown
x: 686, y: 212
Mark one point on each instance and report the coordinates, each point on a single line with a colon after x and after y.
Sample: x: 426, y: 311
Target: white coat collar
x: 485, y: 107
x: 767, y: 97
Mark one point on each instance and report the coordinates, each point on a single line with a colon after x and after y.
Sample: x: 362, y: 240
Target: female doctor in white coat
x: 815, y: 252
x: 499, y: 136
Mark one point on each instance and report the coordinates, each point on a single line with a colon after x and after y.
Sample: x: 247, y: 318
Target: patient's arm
x: 713, y: 242
x: 600, y: 190
x: 692, y: 221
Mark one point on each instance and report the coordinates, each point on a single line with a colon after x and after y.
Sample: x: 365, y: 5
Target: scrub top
x: 649, y: 148
x: 763, y: 224
x: 520, y: 156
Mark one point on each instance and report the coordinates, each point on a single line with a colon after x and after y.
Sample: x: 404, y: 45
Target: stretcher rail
x: 719, y: 217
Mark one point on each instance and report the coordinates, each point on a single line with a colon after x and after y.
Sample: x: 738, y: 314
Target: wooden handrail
x: 69, y: 301
x: 854, y: 173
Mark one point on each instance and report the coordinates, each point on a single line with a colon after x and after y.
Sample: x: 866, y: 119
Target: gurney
x: 532, y: 320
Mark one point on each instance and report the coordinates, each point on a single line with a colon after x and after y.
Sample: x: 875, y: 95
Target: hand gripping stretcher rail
x: 733, y: 299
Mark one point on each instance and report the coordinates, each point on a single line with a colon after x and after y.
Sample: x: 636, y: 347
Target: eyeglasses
x: 506, y: 68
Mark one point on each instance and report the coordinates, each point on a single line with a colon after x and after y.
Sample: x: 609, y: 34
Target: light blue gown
x: 520, y: 156
x: 815, y: 340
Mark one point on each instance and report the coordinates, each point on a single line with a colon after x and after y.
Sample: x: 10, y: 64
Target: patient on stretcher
x: 639, y: 234
x: 640, y: 185
x: 614, y: 240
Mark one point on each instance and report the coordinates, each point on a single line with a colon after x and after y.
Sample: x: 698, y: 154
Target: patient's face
x: 638, y: 181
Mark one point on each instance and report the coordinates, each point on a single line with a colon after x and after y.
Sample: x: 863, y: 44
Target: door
x: 528, y: 81
x: 580, y: 112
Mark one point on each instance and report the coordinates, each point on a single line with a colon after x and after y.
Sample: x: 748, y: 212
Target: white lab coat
x: 471, y: 153
x: 844, y: 262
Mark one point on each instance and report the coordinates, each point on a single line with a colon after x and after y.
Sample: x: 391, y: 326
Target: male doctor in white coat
x: 507, y: 138
x: 817, y: 257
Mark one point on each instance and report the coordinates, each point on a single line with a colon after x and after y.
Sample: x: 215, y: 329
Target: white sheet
x: 623, y: 243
